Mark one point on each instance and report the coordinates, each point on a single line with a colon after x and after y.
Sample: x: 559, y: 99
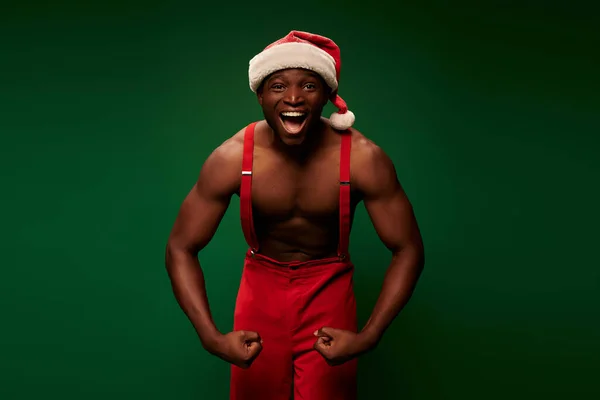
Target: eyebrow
x: 275, y: 76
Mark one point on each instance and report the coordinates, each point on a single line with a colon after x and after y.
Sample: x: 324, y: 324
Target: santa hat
x: 309, y: 51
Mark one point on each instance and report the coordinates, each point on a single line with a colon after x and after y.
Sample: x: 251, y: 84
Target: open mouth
x: 293, y: 121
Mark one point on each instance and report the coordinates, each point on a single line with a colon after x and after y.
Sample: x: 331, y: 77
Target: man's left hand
x: 338, y: 345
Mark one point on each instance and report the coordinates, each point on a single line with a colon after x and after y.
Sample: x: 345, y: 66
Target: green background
x: 489, y: 112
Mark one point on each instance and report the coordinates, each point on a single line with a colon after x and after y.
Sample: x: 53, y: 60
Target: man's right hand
x: 239, y: 348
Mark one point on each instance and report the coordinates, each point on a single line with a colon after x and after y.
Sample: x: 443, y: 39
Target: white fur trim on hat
x: 342, y: 121
x: 292, y: 55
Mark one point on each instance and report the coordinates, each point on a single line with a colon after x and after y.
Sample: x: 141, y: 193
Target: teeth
x: 292, y: 114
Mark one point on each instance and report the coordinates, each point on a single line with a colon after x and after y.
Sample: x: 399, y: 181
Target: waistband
x: 299, y: 267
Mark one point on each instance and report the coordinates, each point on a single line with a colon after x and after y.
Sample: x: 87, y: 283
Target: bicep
x: 205, y: 205
x: 198, y: 219
x: 387, y: 204
x: 393, y: 218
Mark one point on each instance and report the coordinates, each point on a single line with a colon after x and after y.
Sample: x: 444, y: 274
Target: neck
x: 314, y: 137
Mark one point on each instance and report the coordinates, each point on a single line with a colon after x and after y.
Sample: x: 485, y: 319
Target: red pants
x: 286, y: 303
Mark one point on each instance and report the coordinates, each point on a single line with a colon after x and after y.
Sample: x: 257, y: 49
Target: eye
x: 277, y: 86
x: 310, y: 86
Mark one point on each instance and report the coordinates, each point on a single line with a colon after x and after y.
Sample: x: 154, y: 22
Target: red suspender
x: 246, y: 188
x: 345, y: 194
x: 246, y: 191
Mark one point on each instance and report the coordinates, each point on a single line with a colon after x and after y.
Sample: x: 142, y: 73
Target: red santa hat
x: 309, y: 51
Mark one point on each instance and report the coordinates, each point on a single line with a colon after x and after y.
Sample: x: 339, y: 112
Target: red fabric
x: 322, y: 42
x: 339, y: 103
x: 246, y: 188
x: 285, y: 302
x: 345, y: 194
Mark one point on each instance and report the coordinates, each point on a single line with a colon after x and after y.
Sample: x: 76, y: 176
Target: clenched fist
x: 239, y: 348
x: 338, y: 345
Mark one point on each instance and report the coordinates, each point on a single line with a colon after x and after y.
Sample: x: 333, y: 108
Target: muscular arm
x: 393, y: 219
x: 197, y: 221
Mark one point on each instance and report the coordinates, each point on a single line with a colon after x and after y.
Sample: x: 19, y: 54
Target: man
x: 299, y: 177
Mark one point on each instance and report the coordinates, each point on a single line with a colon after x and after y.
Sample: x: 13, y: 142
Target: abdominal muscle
x: 297, y: 239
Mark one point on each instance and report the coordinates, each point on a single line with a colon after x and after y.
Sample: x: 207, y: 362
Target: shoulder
x: 368, y: 156
x: 229, y: 153
x: 371, y: 167
x: 222, y: 168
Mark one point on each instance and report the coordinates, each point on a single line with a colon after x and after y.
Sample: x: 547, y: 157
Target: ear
x: 327, y: 96
x: 259, y: 95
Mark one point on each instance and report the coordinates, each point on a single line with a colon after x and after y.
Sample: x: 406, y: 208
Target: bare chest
x: 285, y: 189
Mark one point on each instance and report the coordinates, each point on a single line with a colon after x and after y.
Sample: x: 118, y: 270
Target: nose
x: 294, y: 96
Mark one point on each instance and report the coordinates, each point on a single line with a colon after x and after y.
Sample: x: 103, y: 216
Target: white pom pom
x: 342, y: 121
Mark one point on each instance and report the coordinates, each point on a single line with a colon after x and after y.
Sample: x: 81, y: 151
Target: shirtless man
x: 299, y: 177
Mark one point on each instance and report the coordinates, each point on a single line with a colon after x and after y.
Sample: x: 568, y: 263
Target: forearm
x: 398, y: 285
x: 187, y: 281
